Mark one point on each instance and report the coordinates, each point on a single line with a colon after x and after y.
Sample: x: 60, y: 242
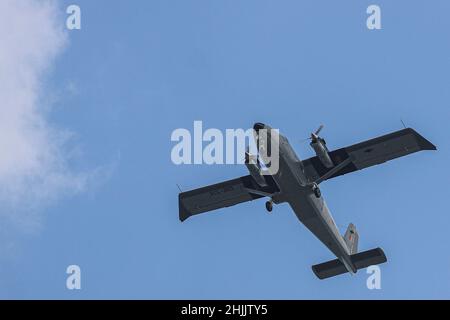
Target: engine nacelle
x: 321, y: 150
x: 254, y: 169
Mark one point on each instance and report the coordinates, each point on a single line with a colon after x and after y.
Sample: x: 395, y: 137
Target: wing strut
x: 336, y: 169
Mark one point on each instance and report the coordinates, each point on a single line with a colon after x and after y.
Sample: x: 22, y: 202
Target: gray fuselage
x: 297, y: 191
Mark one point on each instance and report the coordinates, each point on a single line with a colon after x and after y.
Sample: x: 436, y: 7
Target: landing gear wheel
x: 317, y: 192
x: 269, y: 206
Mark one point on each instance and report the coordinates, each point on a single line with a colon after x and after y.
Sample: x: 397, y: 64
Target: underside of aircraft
x: 297, y: 183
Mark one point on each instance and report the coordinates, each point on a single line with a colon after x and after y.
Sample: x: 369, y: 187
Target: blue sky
x: 140, y: 69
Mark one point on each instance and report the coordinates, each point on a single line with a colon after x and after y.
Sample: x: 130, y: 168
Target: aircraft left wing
x: 222, y: 195
x: 369, y: 153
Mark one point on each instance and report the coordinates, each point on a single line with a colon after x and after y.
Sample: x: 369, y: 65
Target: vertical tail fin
x: 351, y: 238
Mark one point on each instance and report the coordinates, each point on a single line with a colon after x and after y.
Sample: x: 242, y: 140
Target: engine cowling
x: 255, y: 171
x: 321, y: 150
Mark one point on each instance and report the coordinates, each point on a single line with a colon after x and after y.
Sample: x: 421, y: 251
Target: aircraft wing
x: 370, y: 153
x: 222, y: 195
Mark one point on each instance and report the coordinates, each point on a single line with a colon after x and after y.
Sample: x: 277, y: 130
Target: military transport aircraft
x: 297, y: 183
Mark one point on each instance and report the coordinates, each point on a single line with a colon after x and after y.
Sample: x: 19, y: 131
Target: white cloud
x: 34, y: 168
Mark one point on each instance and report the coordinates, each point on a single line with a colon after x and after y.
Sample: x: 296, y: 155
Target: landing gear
x: 269, y: 206
x: 316, y: 191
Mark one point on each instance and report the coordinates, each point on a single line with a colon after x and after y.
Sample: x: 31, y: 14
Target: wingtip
x: 183, y: 216
x: 424, y: 144
x: 183, y: 213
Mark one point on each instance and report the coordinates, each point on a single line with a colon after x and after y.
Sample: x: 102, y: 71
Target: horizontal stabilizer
x: 360, y: 260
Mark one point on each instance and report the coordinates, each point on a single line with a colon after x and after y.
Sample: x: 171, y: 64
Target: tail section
x: 360, y: 260
x: 351, y: 238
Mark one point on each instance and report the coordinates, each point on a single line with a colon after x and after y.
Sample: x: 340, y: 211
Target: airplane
x: 297, y: 183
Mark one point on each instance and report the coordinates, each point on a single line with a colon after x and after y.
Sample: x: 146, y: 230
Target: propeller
x: 320, y: 129
x: 315, y: 135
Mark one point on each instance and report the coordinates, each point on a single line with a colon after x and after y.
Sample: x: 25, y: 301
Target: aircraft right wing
x: 222, y: 195
x: 369, y: 153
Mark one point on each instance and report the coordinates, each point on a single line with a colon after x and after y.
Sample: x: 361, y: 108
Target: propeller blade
x: 306, y: 139
x: 318, y: 130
